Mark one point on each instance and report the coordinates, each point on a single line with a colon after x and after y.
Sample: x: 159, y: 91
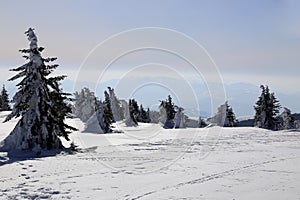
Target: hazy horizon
x: 249, y: 42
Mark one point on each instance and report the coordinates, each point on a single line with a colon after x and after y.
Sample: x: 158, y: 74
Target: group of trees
x: 171, y: 115
x: 138, y: 113
x: 87, y: 106
x: 84, y: 104
x: 266, y: 112
x: 4, y: 100
x: 43, y: 107
x: 266, y: 116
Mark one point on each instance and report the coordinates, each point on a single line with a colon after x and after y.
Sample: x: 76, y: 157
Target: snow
x: 148, y: 162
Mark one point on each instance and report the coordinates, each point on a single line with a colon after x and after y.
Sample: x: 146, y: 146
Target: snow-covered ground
x: 147, y: 162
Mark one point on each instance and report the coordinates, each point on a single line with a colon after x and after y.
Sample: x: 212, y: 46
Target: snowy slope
x: 147, y: 162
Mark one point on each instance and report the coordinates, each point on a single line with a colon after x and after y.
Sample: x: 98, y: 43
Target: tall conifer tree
x: 39, y: 102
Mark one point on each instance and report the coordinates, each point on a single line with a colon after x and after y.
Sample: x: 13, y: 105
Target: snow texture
x: 207, y: 163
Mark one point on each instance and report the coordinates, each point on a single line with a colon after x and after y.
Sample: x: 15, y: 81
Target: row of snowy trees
x: 87, y: 107
x: 42, y: 107
x: 138, y: 113
x: 172, y: 116
x: 91, y: 110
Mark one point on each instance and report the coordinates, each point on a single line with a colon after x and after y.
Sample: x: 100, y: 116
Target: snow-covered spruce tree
x: 231, y: 119
x: 107, y: 113
x: 288, y: 119
x: 134, y: 110
x: 4, y: 101
x: 167, y: 110
x: 162, y: 115
x: 40, y: 103
x: 84, y: 106
x: 116, y: 107
x: 143, y: 115
x: 148, y: 119
x: 266, y: 109
x: 103, y: 123
x: 179, y: 118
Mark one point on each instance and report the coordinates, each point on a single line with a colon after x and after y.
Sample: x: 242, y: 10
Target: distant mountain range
x: 241, y: 96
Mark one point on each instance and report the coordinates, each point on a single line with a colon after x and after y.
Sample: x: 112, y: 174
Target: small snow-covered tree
x: 128, y: 121
x: 84, y: 106
x: 179, y: 118
x: 116, y: 107
x: 220, y: 117
x: 39, y: 102
x: 167, y: 111
x: 288, y: 119
x: 134, y: 110
x: 162, y: 115
x: 266, y: 109
x: 231, y: 119
x: 4, y: 100
x: 107, y: 113
x: 100, y: 122
x: 103, y: 120
x: 144, y: 115
x: 148, y: 119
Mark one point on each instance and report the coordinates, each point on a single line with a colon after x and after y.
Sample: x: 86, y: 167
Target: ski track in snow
x: 209, y: 177
x: 236, y: 163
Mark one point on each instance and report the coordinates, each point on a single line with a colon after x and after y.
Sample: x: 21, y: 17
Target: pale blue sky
x: 251, y: 41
